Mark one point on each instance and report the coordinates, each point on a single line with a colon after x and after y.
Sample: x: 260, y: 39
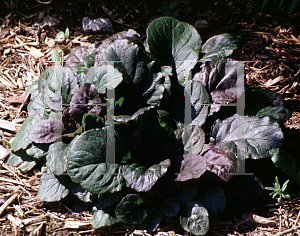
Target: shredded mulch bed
x: 271, y: 51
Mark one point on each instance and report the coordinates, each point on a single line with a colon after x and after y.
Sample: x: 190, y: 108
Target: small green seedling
x: 279, y: 191
x: 168, y: 9
x: 62, y: 34
x: 56, y: 57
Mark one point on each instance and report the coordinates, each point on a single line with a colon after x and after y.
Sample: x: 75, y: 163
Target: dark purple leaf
x: 46, y: 131
x: 192, y: 167
x: 85, y: 100
x: 221, y: 161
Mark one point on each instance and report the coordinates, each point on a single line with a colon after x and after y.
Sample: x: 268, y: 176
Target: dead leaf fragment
x: 201, y: 24
x: 36, y: 53
x: 271, y: 82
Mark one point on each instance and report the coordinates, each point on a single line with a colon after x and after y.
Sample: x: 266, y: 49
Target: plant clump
x: 137, y: 131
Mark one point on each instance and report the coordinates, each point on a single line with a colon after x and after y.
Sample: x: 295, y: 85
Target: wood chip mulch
x: 272, y: 49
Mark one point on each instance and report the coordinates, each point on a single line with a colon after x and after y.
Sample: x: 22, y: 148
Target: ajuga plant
x: 136, y: 131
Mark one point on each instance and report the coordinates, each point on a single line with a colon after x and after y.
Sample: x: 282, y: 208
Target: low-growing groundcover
x: 177, y: 148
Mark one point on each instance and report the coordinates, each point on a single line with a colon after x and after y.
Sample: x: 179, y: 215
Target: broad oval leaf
x: 87, y: 164
x: 220, y: 46
x: 199, y: 101
x: 193, y: 139
x: 33, y: 89
x: 46, y: 131
x: 36, y: 105
x: 37, y: 150
x: 57, y: 158
x: 130, y: 210
x: 128, y: 58
x: 257, y: 136
x: 276, y: 114
x: 195, y: 218
x: 44, y: 77
x: 126, y: 118
x: 77, y: 55
x: 172, y: 42
x: 21, y: 140
x: 142, y: 181
x: 60, y: 86
x: 103, y: 218
x: 82, y: 194
x: 85, y: 100
x: 21, y: 160
x: 221, y: 161
x: 285, y: 161
x: 192, y: 167
x: 103, y: 77
x: 52, y: 188
x: 158, y: 86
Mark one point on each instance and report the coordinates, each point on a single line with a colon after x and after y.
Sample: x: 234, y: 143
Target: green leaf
x: 285, y: 185
x: 175, y: 14
x: 129, y: 60
x: 165, y: 8
x: 21, y: 160
x: 103, y: 218
x: 56, y: 57
x: 60, y: 35
x: 33, y: 89
x: 158, y: 86
x: 37, y: 150
x: 100, y: 77
x: 142, y: 180
x: 280, y: 4
x: 173, y: 5
x: 89, y: 60
x: 92, y: 121
x: 285, y: 161
x: 126, y: 158
x: 276, y: 114
x: 36, y: 105
x: 53, y: 188
x: 130, y: 210
x: 220, y: 46
x: 119, y: 102
x: 195, y: 218
x: 21, y: 140
x: 270, y: 188
x: 167, y: 13
x: 67, y: 33
x: 60, y: 86
x: 87, y: 163
x: 57, y: 158
x: 263, y: 4
x: 258, y: 136
x: 174, y: 43
x: 293, y: 5
x: 199, y: 101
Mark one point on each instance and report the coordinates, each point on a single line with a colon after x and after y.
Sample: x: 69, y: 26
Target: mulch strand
x: 272, y: 60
